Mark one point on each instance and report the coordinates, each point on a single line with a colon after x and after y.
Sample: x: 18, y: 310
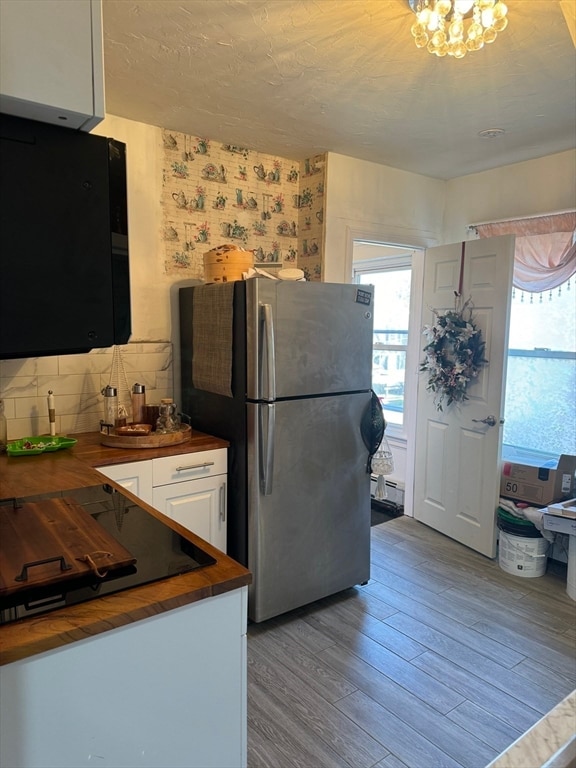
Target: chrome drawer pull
x: 223, y: 503
x: 195, y: 466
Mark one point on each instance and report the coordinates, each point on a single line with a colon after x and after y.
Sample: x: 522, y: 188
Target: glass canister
x: 110, y: 407
x: 167, y: 419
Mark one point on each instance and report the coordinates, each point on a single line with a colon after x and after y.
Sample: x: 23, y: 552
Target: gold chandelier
x: 440, y: 25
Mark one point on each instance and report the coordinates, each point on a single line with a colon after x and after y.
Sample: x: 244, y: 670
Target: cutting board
x: 58, y: 530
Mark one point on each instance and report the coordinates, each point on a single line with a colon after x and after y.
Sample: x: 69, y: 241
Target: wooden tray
x: 47, y: 530
x: 147, y: 441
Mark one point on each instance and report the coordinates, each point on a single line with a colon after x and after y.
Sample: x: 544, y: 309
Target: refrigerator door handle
x: 268, y: 322
x: 266, y: 447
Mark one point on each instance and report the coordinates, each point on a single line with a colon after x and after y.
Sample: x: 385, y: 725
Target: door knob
x: 490, y: 420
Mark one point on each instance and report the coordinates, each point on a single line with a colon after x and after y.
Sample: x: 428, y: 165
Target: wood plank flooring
x: 441, y: 660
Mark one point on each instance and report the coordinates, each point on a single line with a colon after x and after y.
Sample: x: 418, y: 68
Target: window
x: 392, y: 277
x: 540, y: 410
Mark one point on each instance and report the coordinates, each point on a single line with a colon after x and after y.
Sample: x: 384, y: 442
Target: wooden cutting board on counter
x: 58, y: 530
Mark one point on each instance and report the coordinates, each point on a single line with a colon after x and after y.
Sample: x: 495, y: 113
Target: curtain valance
x: 545, y: 251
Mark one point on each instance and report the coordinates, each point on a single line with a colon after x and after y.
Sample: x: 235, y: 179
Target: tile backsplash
x: 76, y: 382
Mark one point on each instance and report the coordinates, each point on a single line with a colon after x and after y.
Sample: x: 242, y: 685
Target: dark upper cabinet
x: 64, y: 267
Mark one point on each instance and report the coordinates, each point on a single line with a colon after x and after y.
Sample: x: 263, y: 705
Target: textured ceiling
x: 301, y: 77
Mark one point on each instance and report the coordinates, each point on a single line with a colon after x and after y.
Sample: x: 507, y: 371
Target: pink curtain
x: 545, y: 251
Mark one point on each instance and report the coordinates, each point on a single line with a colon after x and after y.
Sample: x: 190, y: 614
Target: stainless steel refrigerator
x: 292, y: 365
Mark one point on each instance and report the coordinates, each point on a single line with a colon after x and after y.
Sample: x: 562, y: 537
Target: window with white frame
x: 391, y: 277
x: 540, y: 409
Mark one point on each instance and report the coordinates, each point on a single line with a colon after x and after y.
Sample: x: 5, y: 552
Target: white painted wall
x: 149, y: 283
x: 404, y: 208
x: 366, y: 200
x: 532, y: 188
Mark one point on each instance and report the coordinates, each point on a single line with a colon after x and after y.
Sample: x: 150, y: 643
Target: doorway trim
x: 411, y: 241
x: 408, y: 238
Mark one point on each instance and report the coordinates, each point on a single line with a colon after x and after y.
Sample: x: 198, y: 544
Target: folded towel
x: 212, y: 316
x: 509, y: 506
x: 533, y: 514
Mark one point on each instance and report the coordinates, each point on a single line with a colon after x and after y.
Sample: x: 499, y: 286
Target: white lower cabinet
x: 169, y: 690
x: 199, y: 505
x: 189, y: 488
x: 135, y: 476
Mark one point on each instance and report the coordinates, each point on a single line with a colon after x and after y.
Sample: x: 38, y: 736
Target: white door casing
x: 456, y: 482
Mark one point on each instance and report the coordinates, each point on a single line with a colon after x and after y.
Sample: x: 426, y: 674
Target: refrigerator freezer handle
x: 266, y: 447
x: 268, y: 321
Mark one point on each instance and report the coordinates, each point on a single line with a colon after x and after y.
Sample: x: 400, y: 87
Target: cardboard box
x: 538, y: 484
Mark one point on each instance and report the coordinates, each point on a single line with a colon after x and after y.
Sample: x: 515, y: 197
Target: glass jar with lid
x: 110, y: 394
x: 167, y: 418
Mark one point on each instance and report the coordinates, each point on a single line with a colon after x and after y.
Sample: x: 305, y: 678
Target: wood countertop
x: 76, y: 467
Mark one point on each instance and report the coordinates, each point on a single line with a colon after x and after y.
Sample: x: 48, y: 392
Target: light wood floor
x: 442, y: 659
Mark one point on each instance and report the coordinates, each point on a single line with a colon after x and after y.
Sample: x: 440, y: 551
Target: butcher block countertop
x: 77, y: 467
x: 73, y: 467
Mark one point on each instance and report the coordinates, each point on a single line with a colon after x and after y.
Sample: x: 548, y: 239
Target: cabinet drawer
x: 189, y: 466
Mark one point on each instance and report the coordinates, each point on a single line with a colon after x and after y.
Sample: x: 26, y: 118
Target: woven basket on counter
x: 226, y: 263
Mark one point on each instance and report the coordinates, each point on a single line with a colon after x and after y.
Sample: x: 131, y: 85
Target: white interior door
x: 456, y: 480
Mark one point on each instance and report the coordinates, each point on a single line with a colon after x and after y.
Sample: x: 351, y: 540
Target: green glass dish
x: 32, y: 446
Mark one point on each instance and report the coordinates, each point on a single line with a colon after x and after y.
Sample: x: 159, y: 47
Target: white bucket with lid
x: 522, y: 556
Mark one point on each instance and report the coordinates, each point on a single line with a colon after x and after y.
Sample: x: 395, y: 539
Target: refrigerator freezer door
x: 309, y: 523
x: 307, y: 339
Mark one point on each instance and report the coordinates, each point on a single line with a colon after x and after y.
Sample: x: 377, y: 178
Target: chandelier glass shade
x: 454, y: 27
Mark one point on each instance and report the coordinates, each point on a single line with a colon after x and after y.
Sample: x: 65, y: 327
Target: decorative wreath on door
x: 454, y: 354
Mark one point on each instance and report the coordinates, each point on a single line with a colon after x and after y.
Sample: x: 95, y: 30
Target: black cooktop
x: 160, y: 553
